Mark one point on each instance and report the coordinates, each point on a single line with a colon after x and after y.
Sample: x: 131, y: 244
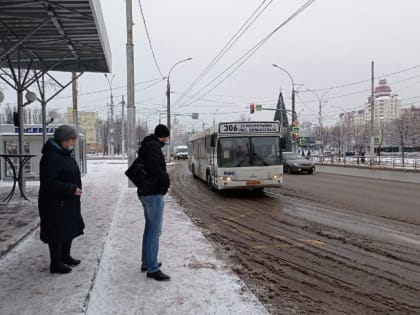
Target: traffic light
x: 252, y: 108
x: 16, y: 119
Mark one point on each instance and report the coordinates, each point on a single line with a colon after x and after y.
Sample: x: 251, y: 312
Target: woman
x: 59, y: 198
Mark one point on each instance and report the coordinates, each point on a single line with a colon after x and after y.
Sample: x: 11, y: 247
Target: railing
x: 385, y: 161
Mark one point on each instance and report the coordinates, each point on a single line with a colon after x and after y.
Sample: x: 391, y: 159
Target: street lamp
x: 293, y: 90
x: 320, y: 115
x: 111, y: 131
x: 294, y: 118
x: 214, y: 116
x: 342, y: 145
x: 168, y: 98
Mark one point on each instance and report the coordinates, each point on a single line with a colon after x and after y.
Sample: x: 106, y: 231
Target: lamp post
x: 214, y: 116
x: 320, y: 115
x: 294, y: 118
x: 168, y: 100
x: 111, y: 131
x: 342, y: 145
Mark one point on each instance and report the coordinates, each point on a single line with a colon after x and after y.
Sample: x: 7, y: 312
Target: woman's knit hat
x: 64, y: 133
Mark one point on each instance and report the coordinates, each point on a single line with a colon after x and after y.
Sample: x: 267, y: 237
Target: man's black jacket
x: 157, y: 180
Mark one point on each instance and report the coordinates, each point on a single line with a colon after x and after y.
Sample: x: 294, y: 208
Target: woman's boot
x: 66, y: 257
x: 57, y: 265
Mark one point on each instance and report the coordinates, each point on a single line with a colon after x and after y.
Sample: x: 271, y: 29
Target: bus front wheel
x: 209, y: 184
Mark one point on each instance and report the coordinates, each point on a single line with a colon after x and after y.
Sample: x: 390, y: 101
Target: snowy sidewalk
x: 200, y: 284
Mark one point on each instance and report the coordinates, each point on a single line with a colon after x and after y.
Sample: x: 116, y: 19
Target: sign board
x: 296, y: 123
x: 258, y: 107
x: 302, y: 141
x: 36, y: 130
x: 249, y: 127
x: 194, y: 116
x: 295, y: 130
x: 319, y: 142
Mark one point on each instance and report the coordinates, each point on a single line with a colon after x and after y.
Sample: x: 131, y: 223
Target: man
x: 151, y: 194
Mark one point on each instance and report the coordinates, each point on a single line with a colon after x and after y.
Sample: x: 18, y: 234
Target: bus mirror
x: 213, y: 140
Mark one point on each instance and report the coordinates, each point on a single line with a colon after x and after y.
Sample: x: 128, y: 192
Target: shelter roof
x: 59, y: 35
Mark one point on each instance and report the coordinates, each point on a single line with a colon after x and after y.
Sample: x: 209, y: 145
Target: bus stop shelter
x: 39, y: 37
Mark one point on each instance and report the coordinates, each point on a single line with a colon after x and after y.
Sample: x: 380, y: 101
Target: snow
x: 109, y: 280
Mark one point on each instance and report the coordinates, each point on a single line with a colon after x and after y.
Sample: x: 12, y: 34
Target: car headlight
x: 295, y: 164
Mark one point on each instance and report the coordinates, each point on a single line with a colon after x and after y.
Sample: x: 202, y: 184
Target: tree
x: 404, y: 131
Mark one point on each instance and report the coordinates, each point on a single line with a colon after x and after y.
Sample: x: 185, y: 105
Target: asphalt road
x: 323, y: 244
x: 364, y: 192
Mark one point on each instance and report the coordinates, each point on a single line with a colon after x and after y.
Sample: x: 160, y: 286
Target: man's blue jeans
x: 153, y: 214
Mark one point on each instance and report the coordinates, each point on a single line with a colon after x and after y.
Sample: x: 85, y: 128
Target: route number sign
x: 249, y: 127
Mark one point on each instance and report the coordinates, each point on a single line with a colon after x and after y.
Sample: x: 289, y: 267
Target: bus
x: 237, y: 155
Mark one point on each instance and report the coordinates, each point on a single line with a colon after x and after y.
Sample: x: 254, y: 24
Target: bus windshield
x: 249, y: 151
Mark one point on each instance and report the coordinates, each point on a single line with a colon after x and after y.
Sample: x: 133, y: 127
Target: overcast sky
x: 331, y: 43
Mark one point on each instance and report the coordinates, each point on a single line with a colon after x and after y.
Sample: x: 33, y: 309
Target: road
x: 323, y: 244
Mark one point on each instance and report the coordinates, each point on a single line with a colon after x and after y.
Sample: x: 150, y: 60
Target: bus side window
x: 208, y: 144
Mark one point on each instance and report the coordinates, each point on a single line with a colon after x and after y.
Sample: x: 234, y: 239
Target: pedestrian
x: 59, y: 199
x: 151, y: 194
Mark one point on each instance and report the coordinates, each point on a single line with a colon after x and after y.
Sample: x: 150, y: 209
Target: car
x: 180, y: 152
x: 294, y: 163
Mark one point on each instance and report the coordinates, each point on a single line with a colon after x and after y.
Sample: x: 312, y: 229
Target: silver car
x: 294, y: 163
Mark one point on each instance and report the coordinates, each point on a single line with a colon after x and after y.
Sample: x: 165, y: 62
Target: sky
x: 329, y: 44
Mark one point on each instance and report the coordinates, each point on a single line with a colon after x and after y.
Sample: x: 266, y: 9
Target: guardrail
x: 370, y: 161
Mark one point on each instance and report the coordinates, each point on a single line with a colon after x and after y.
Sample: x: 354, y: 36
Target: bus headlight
x: 278, y: 176
x: 225, y: 178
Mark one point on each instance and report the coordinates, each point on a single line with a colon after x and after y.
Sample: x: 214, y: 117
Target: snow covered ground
x: 109, y: 280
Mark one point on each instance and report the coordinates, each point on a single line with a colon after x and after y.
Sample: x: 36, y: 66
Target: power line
x: 149, y: 40
x: 107, y: 90
x: 244, y: 27
x: 367, y: 80
x: 240, y: 61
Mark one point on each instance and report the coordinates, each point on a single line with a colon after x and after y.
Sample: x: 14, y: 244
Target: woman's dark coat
x: 59, y: 209
x: 157, y: 180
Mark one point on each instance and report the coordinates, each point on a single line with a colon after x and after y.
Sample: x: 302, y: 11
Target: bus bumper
x: 249, y: 184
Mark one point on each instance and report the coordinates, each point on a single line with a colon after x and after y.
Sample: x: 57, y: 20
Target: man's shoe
x: 144, y: 268
x: 158, y: 276
x: 71, y: 261
x: 60, y: 268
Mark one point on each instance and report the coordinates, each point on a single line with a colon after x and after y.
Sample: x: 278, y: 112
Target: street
x: 323, y: 244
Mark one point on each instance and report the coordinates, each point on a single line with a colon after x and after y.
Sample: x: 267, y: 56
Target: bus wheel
x: 209, y: 184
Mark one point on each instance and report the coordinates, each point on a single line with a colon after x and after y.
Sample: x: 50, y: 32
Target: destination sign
x: 249, y: 127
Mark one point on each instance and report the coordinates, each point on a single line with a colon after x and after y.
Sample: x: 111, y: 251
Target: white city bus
x: 237, y: 155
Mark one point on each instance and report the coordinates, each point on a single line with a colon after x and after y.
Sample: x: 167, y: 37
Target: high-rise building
x: 387, y: 105
x: 88, y: 121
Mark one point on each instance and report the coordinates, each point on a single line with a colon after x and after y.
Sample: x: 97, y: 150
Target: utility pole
x: 75, y: 116
x: 372, y: 115
x: 168, y: 117
x: 122, y: 129
x: 111, y: 130
x: 131, y: 108
x: 112, y: 126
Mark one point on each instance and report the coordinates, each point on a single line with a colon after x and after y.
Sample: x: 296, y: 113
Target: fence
x: 410, y: 162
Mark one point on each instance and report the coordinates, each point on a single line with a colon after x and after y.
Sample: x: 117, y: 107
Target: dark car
x: 294, y: 163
